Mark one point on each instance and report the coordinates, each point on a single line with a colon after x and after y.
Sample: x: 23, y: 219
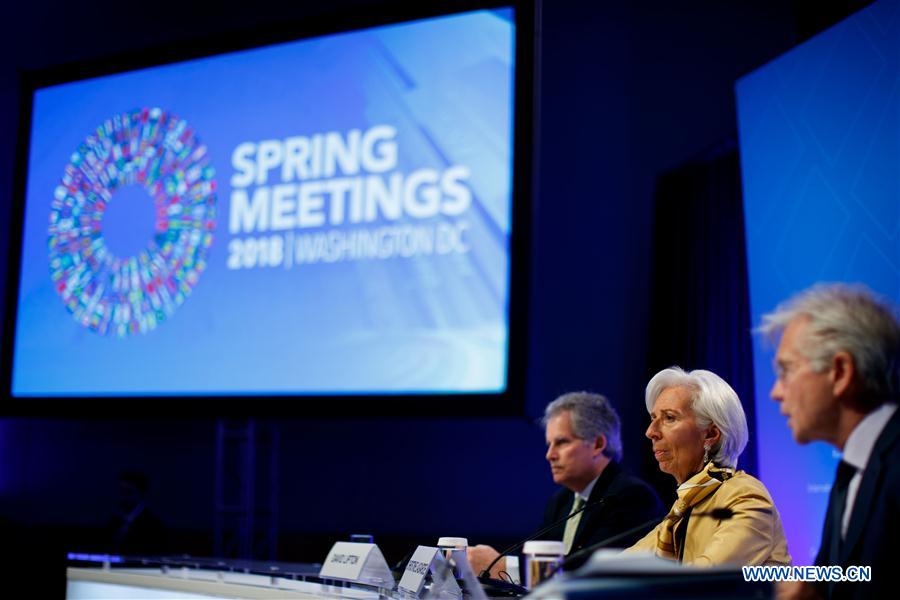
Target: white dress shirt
x: 586, y: 492
x: 859, y: 448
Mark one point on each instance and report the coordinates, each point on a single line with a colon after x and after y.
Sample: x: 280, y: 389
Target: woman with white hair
x: 698, y: 430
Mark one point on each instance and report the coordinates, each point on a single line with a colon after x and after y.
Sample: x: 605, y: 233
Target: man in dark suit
x: 838, y: 365
x: 584, y: 445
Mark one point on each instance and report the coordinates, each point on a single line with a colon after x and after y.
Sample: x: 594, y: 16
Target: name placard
x: 417, y: 569
x: 357, y: 563
x: 345, y: 561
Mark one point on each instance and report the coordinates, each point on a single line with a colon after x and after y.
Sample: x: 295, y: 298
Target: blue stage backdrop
x: 820, y: 153
x: 325, y: 216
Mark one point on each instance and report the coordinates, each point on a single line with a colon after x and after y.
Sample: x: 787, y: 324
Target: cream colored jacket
x: 753, y: 536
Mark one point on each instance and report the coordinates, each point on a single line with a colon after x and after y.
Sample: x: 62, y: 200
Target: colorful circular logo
x: 124, y: 295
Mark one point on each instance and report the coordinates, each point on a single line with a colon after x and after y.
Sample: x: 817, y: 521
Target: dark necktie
x: 845, y: 473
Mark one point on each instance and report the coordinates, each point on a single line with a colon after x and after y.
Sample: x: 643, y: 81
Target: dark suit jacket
x: 627, y: 502
x: 874, y: 528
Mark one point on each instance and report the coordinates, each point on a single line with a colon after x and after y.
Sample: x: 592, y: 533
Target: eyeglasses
x: 784, y: 370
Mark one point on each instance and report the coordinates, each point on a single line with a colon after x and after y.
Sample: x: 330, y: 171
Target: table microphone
x: 720, y: 514
x: 486, y: 573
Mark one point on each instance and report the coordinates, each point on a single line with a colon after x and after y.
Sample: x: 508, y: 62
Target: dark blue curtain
x: 700, y: 313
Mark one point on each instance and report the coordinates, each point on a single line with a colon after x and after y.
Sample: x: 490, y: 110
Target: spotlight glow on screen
x: 324, y: 216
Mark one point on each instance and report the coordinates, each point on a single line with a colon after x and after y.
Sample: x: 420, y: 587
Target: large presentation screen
x: 820, y: 150
x: 329, y: 215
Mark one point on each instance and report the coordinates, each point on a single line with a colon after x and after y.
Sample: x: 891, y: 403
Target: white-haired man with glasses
x: 838, y: 367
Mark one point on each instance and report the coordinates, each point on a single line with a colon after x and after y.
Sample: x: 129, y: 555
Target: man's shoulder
x: 629, y: 488
x: 557, y: 505
x: 885, y: 457
x: 623, y: 479
x: 888, y: 442
x: 888, y: 448
x: 560, y: 496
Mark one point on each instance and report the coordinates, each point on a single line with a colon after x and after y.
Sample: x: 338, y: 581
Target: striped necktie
x: 572, y: 524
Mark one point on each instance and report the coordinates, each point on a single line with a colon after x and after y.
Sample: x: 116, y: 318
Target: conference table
x: 100, y: 577
x: 96, y: 577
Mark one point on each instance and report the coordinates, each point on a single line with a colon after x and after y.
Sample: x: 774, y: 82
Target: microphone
x: 486, y: 573
x: 720, y: 514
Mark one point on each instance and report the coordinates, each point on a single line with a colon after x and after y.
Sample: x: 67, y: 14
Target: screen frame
x: 510, y: 402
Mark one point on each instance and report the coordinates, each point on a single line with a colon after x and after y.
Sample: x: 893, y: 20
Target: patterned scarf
x: 690, y: 493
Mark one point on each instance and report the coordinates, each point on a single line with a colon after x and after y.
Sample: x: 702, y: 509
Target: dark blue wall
x: 628, y: 91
